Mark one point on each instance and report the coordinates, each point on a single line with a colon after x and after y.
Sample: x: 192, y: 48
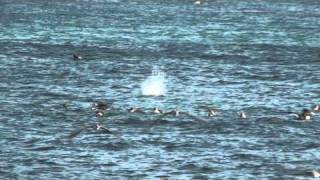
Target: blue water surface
x: 261, y: 57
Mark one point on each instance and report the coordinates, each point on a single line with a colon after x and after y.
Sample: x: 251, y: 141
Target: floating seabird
x: 242, y: 115
x: 306, y: 114
x: 315, y: 174
x: 157, y: 111
x: 76, y: 57
x: 212, y: 112
x: 135, y: 110
x: 100, y: 106
x: 316, y: 108
x: 175, y: 112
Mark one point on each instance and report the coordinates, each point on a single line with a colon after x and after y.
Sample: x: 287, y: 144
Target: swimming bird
x: 306, y: 114
x: 175, y: 112
x: 316, y: 108
x: 100, y: 106
x: 242, y: 115
x: 76, y: 57
x: 212, y: 112
x: 315, y: 174
x: 157, y: 111
x: 135, y: 110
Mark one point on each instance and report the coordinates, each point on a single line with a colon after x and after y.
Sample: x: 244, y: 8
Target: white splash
x: 154, y: 85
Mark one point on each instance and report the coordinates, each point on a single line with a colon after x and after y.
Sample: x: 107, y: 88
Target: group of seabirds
x: 101, y: 108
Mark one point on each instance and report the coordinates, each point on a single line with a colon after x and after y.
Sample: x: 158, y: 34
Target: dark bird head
x: 306, y: 112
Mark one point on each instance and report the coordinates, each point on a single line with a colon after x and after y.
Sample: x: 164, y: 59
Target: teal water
x: 261, y: 57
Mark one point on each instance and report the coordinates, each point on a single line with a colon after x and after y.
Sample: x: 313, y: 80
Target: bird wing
x: 295, y: 115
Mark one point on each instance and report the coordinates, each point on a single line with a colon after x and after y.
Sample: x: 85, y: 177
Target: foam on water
x: 154, y: 85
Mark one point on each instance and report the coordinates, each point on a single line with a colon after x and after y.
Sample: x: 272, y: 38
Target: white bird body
x: 242, y: 115
x: 157, y: 111
x: 316, y: 174
x: 177, y: 112
x: 212, y: 112
x: 316, y: 108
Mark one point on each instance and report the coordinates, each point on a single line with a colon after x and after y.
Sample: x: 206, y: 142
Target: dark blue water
x: 261, y: 57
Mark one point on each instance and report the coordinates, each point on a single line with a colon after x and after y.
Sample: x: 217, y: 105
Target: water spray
x: 154, y: 85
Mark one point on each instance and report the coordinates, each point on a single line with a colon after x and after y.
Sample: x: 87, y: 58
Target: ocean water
x: 261, y: 57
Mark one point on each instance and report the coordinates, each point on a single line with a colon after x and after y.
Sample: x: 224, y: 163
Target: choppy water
x: 262, y: 57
